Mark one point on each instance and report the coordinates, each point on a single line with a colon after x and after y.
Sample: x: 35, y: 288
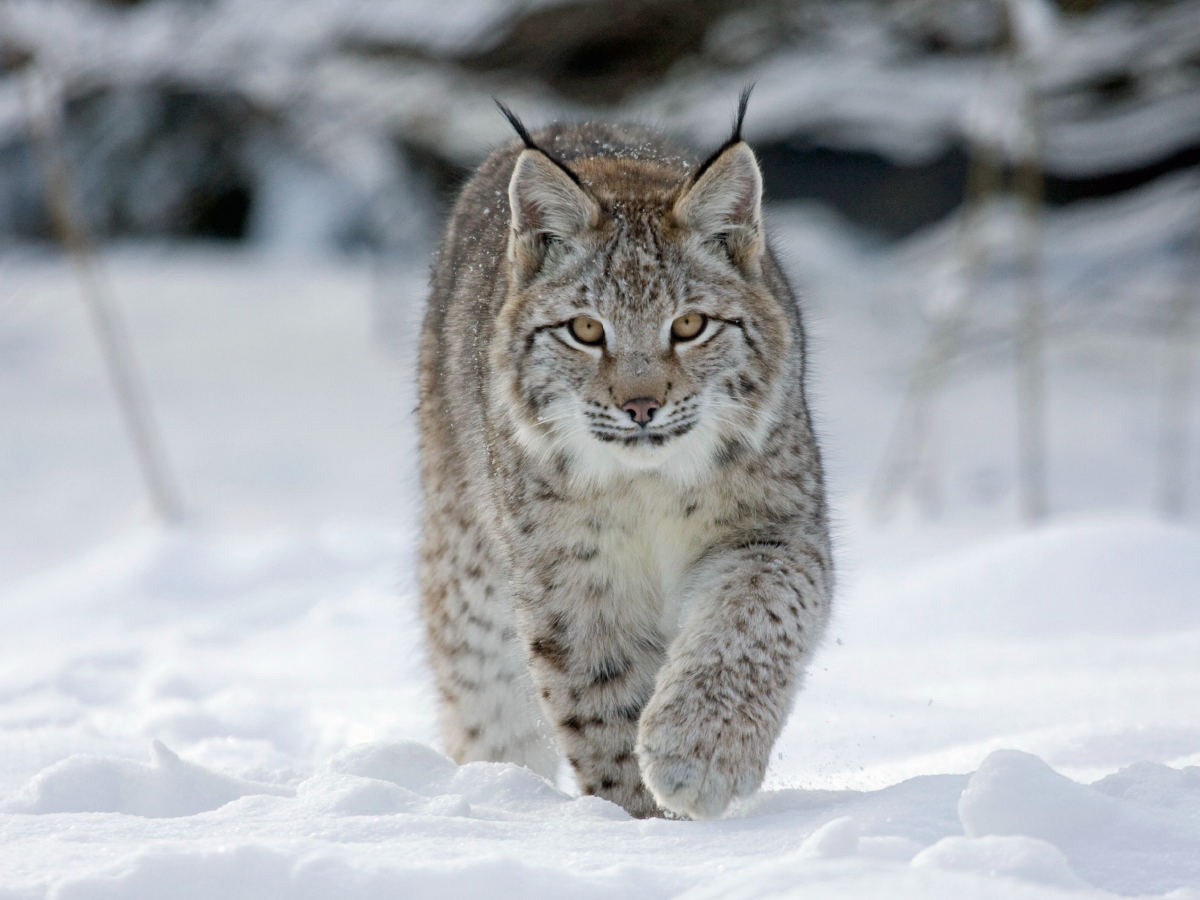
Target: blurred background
x: 217, y: 217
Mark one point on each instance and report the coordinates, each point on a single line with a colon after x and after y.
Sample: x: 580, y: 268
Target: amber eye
x: 688, y: 326
x: 587, y: 330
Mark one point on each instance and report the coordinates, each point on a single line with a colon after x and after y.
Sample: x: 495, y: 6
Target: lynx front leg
x: 487, y: 709
x: 724, y: 694
x: 593, y: 674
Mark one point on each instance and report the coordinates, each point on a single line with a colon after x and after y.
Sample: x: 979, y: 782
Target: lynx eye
x: 587, y: 330
x: 688, y: 326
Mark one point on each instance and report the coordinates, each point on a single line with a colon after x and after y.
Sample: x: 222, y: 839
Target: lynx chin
x: 625, y: 557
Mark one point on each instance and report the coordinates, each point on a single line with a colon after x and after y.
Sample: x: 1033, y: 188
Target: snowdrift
x: 213, y: 643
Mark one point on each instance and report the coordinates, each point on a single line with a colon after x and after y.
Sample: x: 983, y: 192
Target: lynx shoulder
x: 625, y: 559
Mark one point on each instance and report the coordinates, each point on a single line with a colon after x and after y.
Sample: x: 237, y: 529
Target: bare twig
x: 1030, y: 349
x: 1176, y: 395
x: 43, y: 108
x: 911, y: 456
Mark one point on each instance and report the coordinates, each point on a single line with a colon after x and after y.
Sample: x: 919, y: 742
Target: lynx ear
x: 724, y: 203
x: 546, y: 203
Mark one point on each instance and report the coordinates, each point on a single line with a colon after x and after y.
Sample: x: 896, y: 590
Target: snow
x: 1126, y: 846
x: 170, y: 787
x: 1013, y: 856
x: 241, y: 707
x: 1095, y: 575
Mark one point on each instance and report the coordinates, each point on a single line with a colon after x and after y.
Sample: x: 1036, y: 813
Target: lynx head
x: 638, y: 331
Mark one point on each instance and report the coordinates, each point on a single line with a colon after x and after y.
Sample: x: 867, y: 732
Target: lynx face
x: 637, y: 332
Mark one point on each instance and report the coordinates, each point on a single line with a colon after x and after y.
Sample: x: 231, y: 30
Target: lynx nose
x: 642, y: 409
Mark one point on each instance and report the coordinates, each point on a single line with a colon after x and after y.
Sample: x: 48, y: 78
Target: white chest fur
x: 648, y: 539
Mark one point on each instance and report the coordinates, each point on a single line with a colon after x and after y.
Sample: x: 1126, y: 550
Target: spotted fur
x: 640, y: 599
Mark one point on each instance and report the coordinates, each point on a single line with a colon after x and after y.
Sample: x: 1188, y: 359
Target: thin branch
x: 42, y: 109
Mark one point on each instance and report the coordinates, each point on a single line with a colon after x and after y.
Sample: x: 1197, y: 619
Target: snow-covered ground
x: 240, y: 707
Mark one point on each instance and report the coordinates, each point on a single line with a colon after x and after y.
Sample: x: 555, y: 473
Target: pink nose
x: 642, y: 409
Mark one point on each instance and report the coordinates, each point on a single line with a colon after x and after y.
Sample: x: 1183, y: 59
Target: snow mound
x: 365, y: 780
x: 833, y: 839
x: 409, y: 765
x: 1099, y: 576
x: 382, y: 779
x: 167, y: 788
x: 1017, y: 793
x: 400, y: 819
x: 1110, y: 838
x: 1013, y: 856
x: 1154, y: 784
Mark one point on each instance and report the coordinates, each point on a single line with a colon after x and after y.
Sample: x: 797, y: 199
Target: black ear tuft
x: 518, y: 125
x: 735, y: 138
x: 530, y: 143
x: 743, y: 102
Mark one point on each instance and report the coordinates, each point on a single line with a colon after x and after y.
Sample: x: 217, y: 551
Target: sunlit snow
x: 240, y: 707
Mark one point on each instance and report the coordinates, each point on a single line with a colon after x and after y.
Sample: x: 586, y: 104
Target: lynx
x: 625, y: 558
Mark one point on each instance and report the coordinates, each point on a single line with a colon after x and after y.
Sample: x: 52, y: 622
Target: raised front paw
x: 699, y: 749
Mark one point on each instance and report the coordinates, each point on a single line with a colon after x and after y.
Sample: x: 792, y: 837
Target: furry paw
x: 697, y: 754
